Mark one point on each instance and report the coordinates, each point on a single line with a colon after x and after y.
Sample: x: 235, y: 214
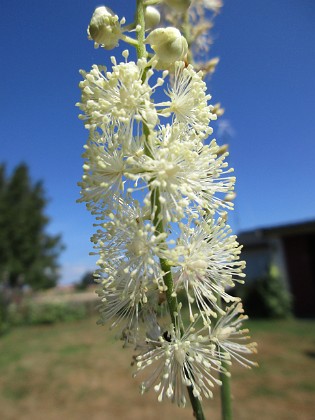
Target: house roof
x: 260, y: 236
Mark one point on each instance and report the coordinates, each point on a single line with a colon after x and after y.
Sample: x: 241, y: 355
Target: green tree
x: 28, y: 255
x: 4, y: 255
x: 86, y: 281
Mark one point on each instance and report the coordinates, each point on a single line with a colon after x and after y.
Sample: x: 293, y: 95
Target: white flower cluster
x: 157, y: 187
x: 193, y: 357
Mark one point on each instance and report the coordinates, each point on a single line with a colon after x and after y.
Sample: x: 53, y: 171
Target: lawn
x: 79, y: 371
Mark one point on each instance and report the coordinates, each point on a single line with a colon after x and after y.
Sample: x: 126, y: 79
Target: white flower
x: 231, y: 339
x: 103, y: 174
x: 125, y: 301
x: 119, y: 97
x: 129, y: 274
x: 130, y: 242
x: 106, y: 167
x: 105, y: 28
x: 180, y: 360
x: 207, y: 257
x: 188, y: 100
x: 187, y: 174
x: 120, y: 297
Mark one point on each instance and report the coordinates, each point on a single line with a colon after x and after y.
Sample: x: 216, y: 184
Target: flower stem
x: 128, y: 40
x: 166, y: 268
x: 155, y: 194
x: 156, y: 205
x: 141, y: 50
x: 226, y: 400
x: 196, y: 405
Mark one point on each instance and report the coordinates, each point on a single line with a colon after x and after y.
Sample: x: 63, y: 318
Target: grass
x: 79, y: 371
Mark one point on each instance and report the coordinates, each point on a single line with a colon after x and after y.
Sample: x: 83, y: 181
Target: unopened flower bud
x: 104, y: 28
x: 151, y: 17
x: 217, y: 110
x: 178, y: 5
x: 169, y: 46
x: 210, y: 66
x: 230, y: 197
x: 222, y: 149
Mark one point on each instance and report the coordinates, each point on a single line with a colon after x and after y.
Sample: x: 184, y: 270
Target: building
x: 291, y: 248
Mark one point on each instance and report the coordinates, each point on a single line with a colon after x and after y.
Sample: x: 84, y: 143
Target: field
x: 79, y: 371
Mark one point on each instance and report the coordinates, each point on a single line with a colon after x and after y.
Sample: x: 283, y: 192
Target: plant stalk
x: 226, y: 400
x: 155, y: 200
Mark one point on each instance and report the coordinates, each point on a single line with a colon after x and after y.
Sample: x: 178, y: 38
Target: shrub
x: 50, y: 313
x: 86, y: 281
x: 30, y: 312
x: 4, y: 324
x: 266, y: 297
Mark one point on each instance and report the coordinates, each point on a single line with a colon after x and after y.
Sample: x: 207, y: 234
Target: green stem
x: 129, y: 40
x: 196, y: 405
x: 166, y: 268
x: 152, y: 2
x: 155, y: 201
x: 141, y: 50
x: 226, y: 400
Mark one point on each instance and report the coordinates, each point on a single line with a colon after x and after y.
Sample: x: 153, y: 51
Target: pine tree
x: 28, y: 255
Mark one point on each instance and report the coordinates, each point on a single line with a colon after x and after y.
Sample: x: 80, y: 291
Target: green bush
x: 266, y: 297
x: 34, y: 313
x: 86, y: 281
x: 4, y: 324
x: 50, y: 313
x: 16, y: 314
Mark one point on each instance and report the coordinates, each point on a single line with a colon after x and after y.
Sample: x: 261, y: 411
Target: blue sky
x: 265, y: 81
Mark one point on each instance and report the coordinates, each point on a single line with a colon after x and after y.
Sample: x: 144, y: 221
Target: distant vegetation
x: 86, y: 281
x: 54, y: 306
x: 28, y: 254
x: 266, y: 297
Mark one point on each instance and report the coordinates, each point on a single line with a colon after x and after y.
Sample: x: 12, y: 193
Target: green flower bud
x: 178, y: 5
x: 104, y: 28
x: 151, y: 17
x: 169, y: 46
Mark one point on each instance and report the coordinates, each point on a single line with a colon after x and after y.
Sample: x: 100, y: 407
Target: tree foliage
x: 28, y: 255
x: 267, y: 296
x: 86, y: 281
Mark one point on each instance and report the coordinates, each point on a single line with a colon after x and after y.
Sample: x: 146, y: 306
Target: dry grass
x: 78, y: 371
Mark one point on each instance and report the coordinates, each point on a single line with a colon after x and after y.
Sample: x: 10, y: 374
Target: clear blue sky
x: 265, y: 81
